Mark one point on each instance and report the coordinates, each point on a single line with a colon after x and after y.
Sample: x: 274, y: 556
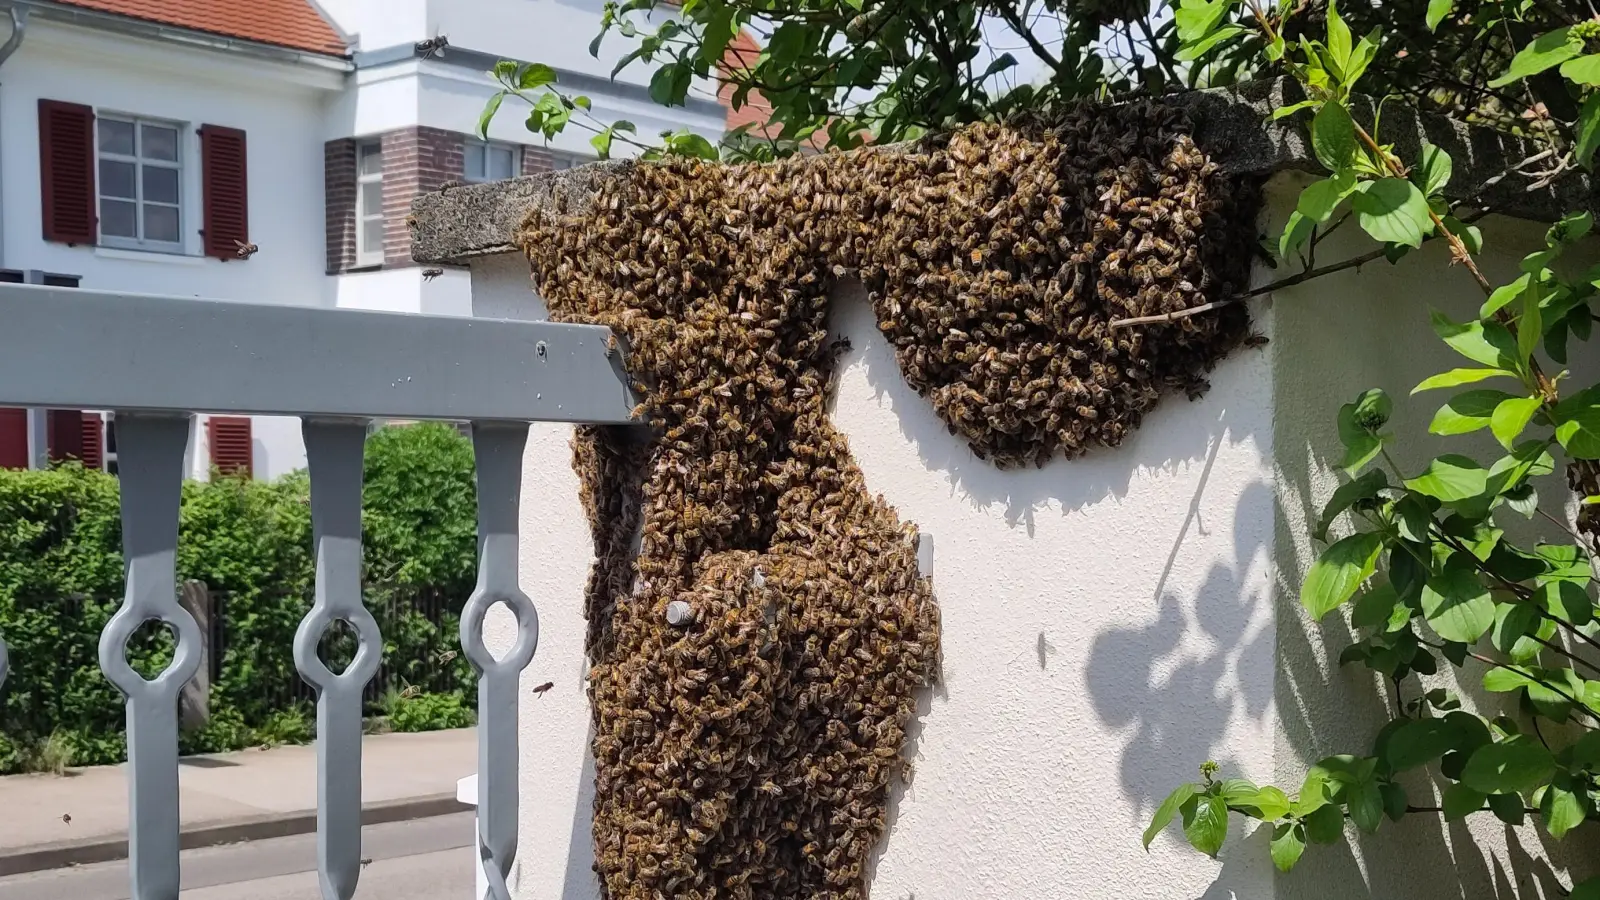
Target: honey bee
x: 431, y: 274
x: 432, y: 48
x: 245, y: 251
x: 541, y: 689
x: 1254, y: 340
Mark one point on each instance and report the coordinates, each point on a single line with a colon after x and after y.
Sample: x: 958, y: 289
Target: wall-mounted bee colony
x: 745, y: 745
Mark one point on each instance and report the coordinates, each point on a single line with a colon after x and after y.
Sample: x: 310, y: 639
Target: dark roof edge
x: 1232, y: 124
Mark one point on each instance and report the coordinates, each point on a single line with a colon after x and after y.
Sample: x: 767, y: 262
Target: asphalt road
x: 425, y: 859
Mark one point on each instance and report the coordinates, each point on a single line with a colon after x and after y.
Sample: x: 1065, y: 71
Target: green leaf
x: 1366, y: 805
x: 1547, y: 50
x: 1295, y: 233
x: 1435, y: 170
x: 1325, y: 825
x: 1486, y: 343
x: 582, y: 102
x: 602, y: 143
x: 1583, y: 70
x: 1578, y: 424
x: 1507, y: 808
x: 1567, y: 601
x: 1314, y: 794
x: 1207, y: 825
x: 1451, y: 477
x: 1503, y: 680
x: 1513, y: 622
x: 1360, y: 445
x: 1530, y: 327
x: 1437, y: 10
x: 1561, y: 808
x: 1393, y: 210
x: 1461, y: 801
x: 1271, y: 802
x: 1467, y: 412
x: 1336, y: 574
x: 1512, y: 765
x: 1168, y: 809
x: 1457, y: 377
x: 1206, y: 44
x: 534, y: 76
x: 1510, y: 417
x: 1419, y: 742
x: 670, y: 84
x: 1377, y: 607
x: 1504, y: 294
x: 489, y: 110
x: 1457, y: 604
x: 1363, y: 487
x: 1588, y: 131
x: 1394, y: 800
x: 1288, y: 843
x: 1522, y: 499
x: 1320, y: 198
x: 1283, y: 112
x: 1338, y: 37
x: 1333, y: 138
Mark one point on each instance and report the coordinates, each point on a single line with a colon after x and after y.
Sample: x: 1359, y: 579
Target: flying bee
x: 432, y: 48
x: 1255, y: 340
x: 443, y: 657
x: 541, y: 689
x: 431, y: 274
x: 245, y: 251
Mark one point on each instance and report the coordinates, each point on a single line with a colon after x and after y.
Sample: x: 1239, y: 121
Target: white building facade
x: 266, y: 151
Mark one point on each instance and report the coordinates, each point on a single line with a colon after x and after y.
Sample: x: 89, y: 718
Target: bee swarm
x: 749, y: 751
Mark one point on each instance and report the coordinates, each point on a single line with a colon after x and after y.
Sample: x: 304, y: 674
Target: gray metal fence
x: 157, y: 361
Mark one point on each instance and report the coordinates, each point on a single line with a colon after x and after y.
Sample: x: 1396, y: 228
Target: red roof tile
x: 285, y: 23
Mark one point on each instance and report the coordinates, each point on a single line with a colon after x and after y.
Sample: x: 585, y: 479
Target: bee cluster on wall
x: 758, y: 629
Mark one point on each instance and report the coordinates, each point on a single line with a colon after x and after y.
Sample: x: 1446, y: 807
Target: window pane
x: 160, y: 184
x: 371, y: 159
x: 500, y: 162
x: 116, y: 137
x: 472, y: 167
x: 161, y: 223
x: 116, y: 219
x: 116, y: 179
x: 371, y: 200
x: 158, y: 142
x: 372, y: 237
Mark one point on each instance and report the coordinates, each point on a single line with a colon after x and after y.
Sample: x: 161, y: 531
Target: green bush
x: 431, y: 712
x: 250, y: 542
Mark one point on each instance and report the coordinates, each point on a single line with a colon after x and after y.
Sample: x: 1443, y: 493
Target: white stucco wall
x: 1108, y: 623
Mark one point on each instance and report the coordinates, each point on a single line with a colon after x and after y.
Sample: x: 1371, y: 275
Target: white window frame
x: 474, y: 147
x: 562, y: 160
x: 139, y: 163
x: 365, y: 255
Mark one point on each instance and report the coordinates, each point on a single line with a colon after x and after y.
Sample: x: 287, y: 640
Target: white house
x: 266, y: 151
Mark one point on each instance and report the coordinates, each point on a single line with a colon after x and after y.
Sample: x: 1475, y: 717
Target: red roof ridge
x: 294, y: 24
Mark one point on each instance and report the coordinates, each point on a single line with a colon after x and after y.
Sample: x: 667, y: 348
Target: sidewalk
x: 227, y: 797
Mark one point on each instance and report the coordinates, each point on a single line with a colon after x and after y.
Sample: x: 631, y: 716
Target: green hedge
x: 250, y: 542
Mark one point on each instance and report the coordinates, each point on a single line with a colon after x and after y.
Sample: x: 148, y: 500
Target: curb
x: 229, y: 831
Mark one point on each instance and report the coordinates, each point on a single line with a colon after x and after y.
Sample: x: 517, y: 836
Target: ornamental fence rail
x: 157, y: 361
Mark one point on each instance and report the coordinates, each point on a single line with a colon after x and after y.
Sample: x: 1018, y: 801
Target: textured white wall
x: 1107, y: 627
x: 1109, y: 623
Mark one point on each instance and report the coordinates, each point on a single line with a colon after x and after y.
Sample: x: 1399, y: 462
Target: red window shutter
x: 225, y: 190
x: 13, y: 439
x: 230, y: 440
x: 66, y: 171
x: 65, y: 434
x: 94, y: 455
